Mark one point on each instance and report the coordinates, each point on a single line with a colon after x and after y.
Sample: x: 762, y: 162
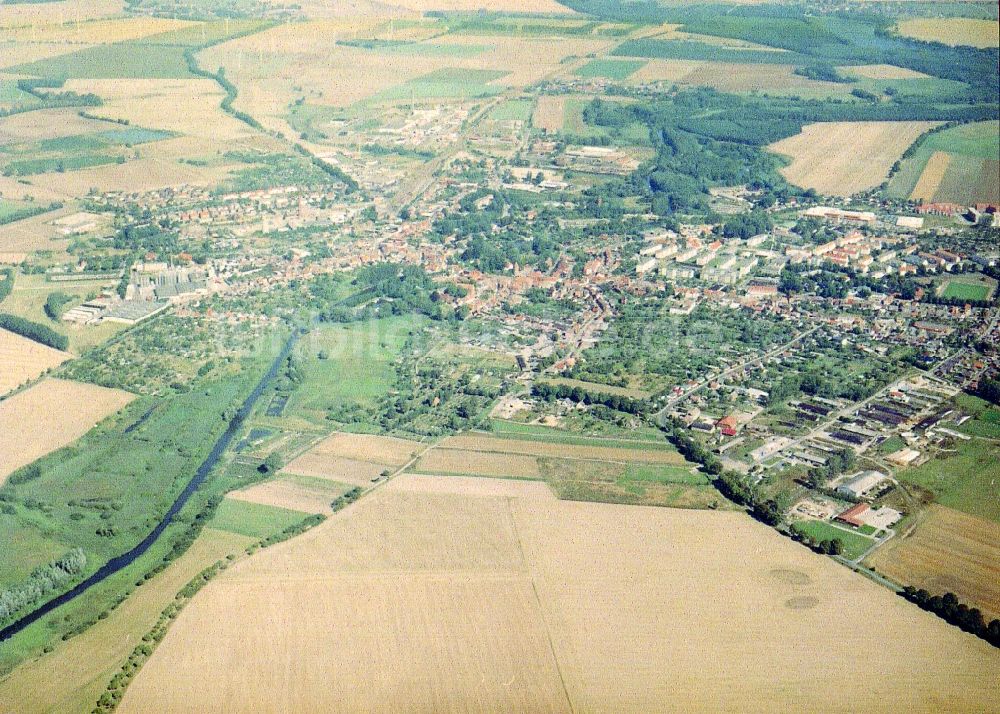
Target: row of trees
x: 550, y: 392
x: 34, y: 331
x: 44, y: 579
x: 947, y: 607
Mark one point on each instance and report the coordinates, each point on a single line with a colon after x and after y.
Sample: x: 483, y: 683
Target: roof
x: 853, y: 514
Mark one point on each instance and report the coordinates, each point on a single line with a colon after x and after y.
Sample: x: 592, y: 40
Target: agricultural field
x: 963, y: 479
x: 294, y: 493
x: 347, y: 366
x: 23, y: 360
x: 587, y: 607
x: 820, y: 160
x: 617, y: 452
x: 58, y: 11
x: 953, y: 31
x: 58, y: 411
x: 610, y: 69
x: 959, y: 165
x: 478, y: 463
x: 948, y: 551
x: 549, y: 114
x: 120, y: 60
x: 252, y: 520
x: 578, y: 468
x: 354, y: 459
x: 71, y: 678
x: 107, y: 31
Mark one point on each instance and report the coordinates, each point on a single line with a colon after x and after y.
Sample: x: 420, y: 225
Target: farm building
x: 861, y: 484
x: 854, y: 515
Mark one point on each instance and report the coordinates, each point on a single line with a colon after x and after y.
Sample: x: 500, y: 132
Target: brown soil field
x: 480, y: 463
x: 367, y: 447
x: 475, y: 442
x: 970, y: 180
x: 659, y: 70
x: 953, y: 31
x: 295, y: 495
x: 456, y: 594
x: 883, y: 71
x: 335, y: 468
x: 550, y: 113
x: 842, y: 158
x: 949, y: 551
x: 98, y: 31
x: 72, y: 678
x: 929, y: 181
x: 50, y: 415
x: 24, y: 360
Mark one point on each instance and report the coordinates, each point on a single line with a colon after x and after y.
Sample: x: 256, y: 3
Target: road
x: 660, y: 415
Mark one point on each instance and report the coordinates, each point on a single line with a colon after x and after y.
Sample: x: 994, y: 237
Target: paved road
x: 660, y: 415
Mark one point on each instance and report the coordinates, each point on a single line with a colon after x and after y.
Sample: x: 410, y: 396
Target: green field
x: 965, y: 480
x: 513, y: 110
x: 964, y: 290
x: 691, y: 50
x: 446, y: 83
x: 347, y: 365
x: 122, y: 60
x: 658, y: 473
x: 854, y: 543
x: 29, y: 167
x: 205, y: 33
x: 10, y: 94
x: 610, y: 69
x: 986, y: 417
x: 972, y: 171
x: 253, y: 519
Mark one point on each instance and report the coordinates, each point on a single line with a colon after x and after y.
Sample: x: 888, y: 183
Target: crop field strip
x: 58, y: 411
x: 818, y: 160
x: 587, y: 607
x: 949, y: 551
x: 24, y: 360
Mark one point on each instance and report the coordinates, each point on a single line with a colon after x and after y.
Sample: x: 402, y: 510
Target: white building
x: 861, y: 484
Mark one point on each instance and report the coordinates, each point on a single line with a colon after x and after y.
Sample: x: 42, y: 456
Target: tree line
x: 44, y: 579
x: 34, y: 331
x: 550, y: 392
x: 948, y: 608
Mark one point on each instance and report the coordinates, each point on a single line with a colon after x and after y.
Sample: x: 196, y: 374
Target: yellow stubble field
x: 949, y: 551
x: 103, y: 31
x: 931, y: 177
x: 953, y: 31
x: 842, y: 158
x: 458, y: 594
x: 72, y: 678
x: 50, y: 415
x: 22, y: 360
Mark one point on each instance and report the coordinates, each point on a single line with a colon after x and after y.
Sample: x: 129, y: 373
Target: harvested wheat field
x: 550, y: 113
x: 23, y: 360
x: 949, y: 551
x: 843, y: 158
x: 930, y: 179
x: 766, y: 78
x: 479, y: 463
x: 459, y: 594
x: 64, y: 11
x: 335, y: 468
x: 50, y: 415
x: 74, y: 676
x: 883, y: 71
x: 186, y: 106
x: 368, y: 447
x: 953, y: 31
x: 98, y: 31
x: 477, y: 442
x: 294, y: 494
